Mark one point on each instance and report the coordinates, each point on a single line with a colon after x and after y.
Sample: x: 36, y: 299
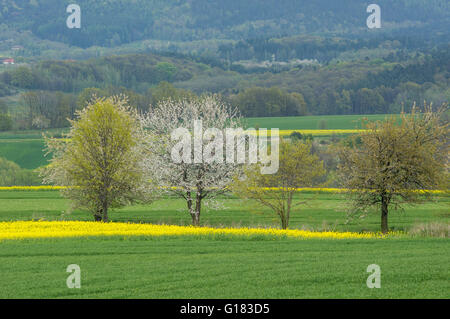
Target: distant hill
x: 116, y: 22
x: 320, y: 49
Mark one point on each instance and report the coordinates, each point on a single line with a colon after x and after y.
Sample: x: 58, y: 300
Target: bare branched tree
x: 392, y: 162
x: 298, y: 168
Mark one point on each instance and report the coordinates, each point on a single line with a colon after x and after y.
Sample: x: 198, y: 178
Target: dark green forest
x: 114, y: 22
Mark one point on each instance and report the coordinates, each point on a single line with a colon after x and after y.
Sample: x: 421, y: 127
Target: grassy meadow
x: 25, y: 148
x: 143, y: 267
x: 27, y: 153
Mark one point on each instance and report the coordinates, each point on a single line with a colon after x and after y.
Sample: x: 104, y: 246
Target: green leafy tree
x: 367, y: 101
x: 300, y: 104
x: 166, y: 91
x: 22, y: 77
x: 5, y: 122
x: 166, y: 71
x: 100, y: 158
x: 273, y: 101
x: 138, y: 101
x: 298, y: 167
x: 12, y: 174
x: 392, y: 161
x: 3, y: 107
x: 87, y: 95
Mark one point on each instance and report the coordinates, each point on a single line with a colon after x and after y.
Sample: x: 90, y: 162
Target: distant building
x: 17, y: 48
x: 8, y: 61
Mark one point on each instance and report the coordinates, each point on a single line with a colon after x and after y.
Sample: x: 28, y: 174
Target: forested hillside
x: 48, y: 92
x: 115, y: 22
x: 131, y: 71
x: 267, y: 57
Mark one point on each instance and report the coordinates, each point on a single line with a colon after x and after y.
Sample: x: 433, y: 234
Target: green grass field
x: 28, y: 134
x: 25, y: 148
x: 234, y: 267
x: 189, y: 268
x: 27, y: 153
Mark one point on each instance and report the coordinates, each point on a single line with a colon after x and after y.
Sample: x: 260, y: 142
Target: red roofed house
x: 8, y: 61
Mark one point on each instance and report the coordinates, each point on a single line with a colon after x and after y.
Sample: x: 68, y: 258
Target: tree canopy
x: 393, y: 162
x: 100, y: 159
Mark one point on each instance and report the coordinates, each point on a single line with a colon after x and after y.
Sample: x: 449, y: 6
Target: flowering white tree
x: 204, y: 170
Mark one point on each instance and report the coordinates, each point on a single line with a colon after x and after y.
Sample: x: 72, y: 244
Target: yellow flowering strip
x: 304, y: 189
x: 346, y: 190
x: 315, y: 132
x: 320, y: 132
x: 31, y: 188
x: 310, y: 189
x: 63, y: 229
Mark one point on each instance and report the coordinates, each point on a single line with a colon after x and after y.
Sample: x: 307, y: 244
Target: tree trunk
x: 284, y: 223
x: 105, y: 212
x: 384, y: 214
x: 194, y: 211
x: 283, y: 218
x: 196, y: 214
x: 195, y: 219
x: 289, y: 205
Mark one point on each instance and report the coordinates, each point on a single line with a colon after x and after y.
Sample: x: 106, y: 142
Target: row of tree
x: 6, y: 123
x: 135, y: 71
x: 262, y: 102
x: 318, y: 48
x: 114, y: 157
x: 368, y: 87
x: 51, y: 109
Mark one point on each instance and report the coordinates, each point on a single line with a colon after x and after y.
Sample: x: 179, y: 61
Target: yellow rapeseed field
x: 316, y: 132
x: 30, y: 188
x: 304, y: 189
x: 320, y: 132
x: 62, y: 229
